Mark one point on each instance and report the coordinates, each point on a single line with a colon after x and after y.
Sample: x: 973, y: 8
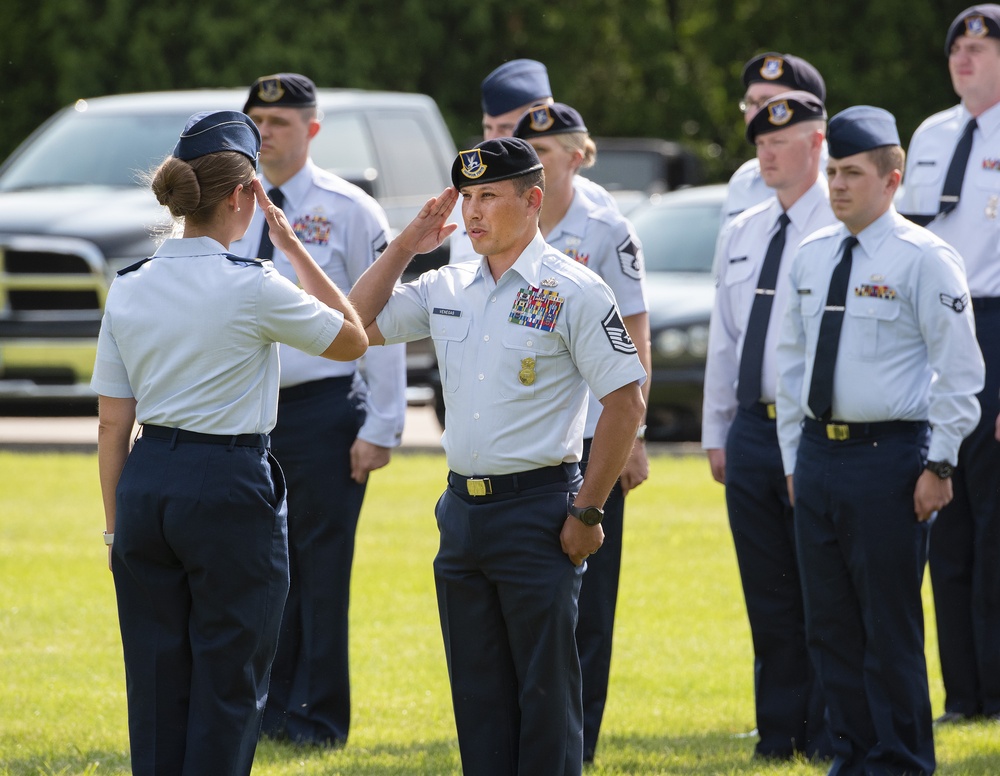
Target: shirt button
x: 482, y: 377
x: 486, y: 338
x: 475, y: 415
x: 493, y: 298
x: 529, y: 343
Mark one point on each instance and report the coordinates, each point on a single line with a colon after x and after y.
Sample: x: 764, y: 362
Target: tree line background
x: 633, y: 68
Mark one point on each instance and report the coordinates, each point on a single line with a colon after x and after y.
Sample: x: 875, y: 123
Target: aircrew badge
x: 772, y: 68
x: 270, y: 90
x: 541, y: 118
x: 527, y: 374
x: 956, y: 303
x: 472, y: 163
x: 779, y: 113
x: 549, y: 283
x: 975, y: 27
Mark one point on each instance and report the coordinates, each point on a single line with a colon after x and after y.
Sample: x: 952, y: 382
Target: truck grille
x: 49, y: 275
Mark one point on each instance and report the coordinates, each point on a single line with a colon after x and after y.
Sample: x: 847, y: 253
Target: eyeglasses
x: 756, y: 105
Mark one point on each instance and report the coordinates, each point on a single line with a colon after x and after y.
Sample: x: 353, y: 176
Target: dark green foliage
x: 663, y: 68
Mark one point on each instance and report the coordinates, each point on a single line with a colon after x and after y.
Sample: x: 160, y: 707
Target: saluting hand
x: 282, y: 235
x: 428, y: 229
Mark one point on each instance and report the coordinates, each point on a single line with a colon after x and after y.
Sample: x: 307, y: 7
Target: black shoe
x: 953, y: 718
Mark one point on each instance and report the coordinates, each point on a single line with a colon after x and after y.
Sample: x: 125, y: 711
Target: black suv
x: 74, y: 210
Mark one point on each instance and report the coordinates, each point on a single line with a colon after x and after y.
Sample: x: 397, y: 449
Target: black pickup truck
x: 74, y: 210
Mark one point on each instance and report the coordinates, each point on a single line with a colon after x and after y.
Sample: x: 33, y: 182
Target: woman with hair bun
x: 195, y: 511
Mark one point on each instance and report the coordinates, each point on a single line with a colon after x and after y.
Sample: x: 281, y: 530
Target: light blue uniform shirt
x: 604, y: 241
x: 973, y: 227
x: 192, y: 337
x: 907, y: 347
x: 742, y: 248
x: 516, y: 357
x: 461, y: 245
x: 344, y: 230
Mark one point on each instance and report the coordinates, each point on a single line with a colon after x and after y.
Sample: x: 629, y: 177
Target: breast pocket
x: 740, y: 281
x: 449, y: 334
x: 528, y: 363
x: 870, y: 324
x: 923, y: 184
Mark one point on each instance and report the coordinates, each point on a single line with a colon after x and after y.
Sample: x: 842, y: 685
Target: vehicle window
x: 678, y: 239
x: 406, y: 151
x: 625, y: 170
x: 342, y: 144
x: 80, y: 149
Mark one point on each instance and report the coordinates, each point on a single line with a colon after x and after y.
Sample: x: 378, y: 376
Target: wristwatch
x: 942, y: 469
x: 587, y: 515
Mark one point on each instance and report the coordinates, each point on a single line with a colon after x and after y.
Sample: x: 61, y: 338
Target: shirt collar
x: 528, y: 265
x: 183, y: 247
x: 988, y: 121
x: 574, y: 223
x: 295, y: 188
x: 873, y: 235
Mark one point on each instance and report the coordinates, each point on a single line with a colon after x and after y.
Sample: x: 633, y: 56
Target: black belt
x: 761, y: 410
x: 840, y: 432
x: 230, y: 440
x: 984, y: 303
x: 315, y: 388
x: 499, y: 484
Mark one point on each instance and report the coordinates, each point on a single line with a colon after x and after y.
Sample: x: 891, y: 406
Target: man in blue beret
x: 878, y: 370
x: 739, y: 433
x: 520, y: 335
x: 952, y: 185
x: 507, y: 93
x: 334, y: 426
x: 766, y: 76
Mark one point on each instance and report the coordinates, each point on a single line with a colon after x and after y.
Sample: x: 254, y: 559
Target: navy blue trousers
x: 788, y: 701
x: 507, y: 598
x: 596, y: 623
x: 201, y: 571
x: 310, y: 697
x: 862, y: 554
x: 965, y: 550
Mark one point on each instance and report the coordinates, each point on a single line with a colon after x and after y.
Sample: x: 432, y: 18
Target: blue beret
x: 786, y: 69
x: 213, y: 131
x: 513, y: 85
x: 494, y: 160
x: 784, y: 110
x: 860, y: 128
x: 979, y: 21
x: 284, y: 90
x: 555, y: 119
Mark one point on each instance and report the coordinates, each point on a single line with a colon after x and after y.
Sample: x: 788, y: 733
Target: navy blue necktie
x: 266, y: 249
x: 752, y: 358
x: 821, y: 387
x: 952, y: 190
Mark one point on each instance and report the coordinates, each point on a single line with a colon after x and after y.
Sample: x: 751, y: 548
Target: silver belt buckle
x: 479, y: 486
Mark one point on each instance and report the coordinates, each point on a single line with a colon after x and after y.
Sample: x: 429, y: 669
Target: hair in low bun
x: 193, y: 190
x: 176, y: 186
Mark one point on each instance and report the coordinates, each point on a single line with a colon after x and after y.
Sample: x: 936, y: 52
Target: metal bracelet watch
x: 942, y: 469
x: 587, y: 515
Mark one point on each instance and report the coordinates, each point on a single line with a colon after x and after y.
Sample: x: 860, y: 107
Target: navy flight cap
x: 513, y: 85
x: 224, y: 130
x: 494, y: 160
x: 786, y: 69
x: 283, y: 90
x: 860, y: 128
x: 784, y: 110
x: 555, y: 119
x: 979, y: 21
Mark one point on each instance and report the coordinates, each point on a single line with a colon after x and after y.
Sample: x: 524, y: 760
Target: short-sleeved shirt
x: 516, y: 356
x: 604, y: 241
x: 461, y: 245
x: 973, y: 227
x: 192, y: 336
x: 742, y: 248
x: 907, y: 347
x: 344, y: 230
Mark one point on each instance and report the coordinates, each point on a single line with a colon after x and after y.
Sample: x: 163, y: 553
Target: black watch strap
x: 942, y: 469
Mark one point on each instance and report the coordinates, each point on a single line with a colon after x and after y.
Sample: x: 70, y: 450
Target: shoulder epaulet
x: 133, y: 267
x: 247, y: 262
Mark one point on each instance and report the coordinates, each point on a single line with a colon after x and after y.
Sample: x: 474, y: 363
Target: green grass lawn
x: 681, y: 680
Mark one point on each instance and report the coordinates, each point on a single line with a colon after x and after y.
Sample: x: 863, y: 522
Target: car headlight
x: 676, y: 341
